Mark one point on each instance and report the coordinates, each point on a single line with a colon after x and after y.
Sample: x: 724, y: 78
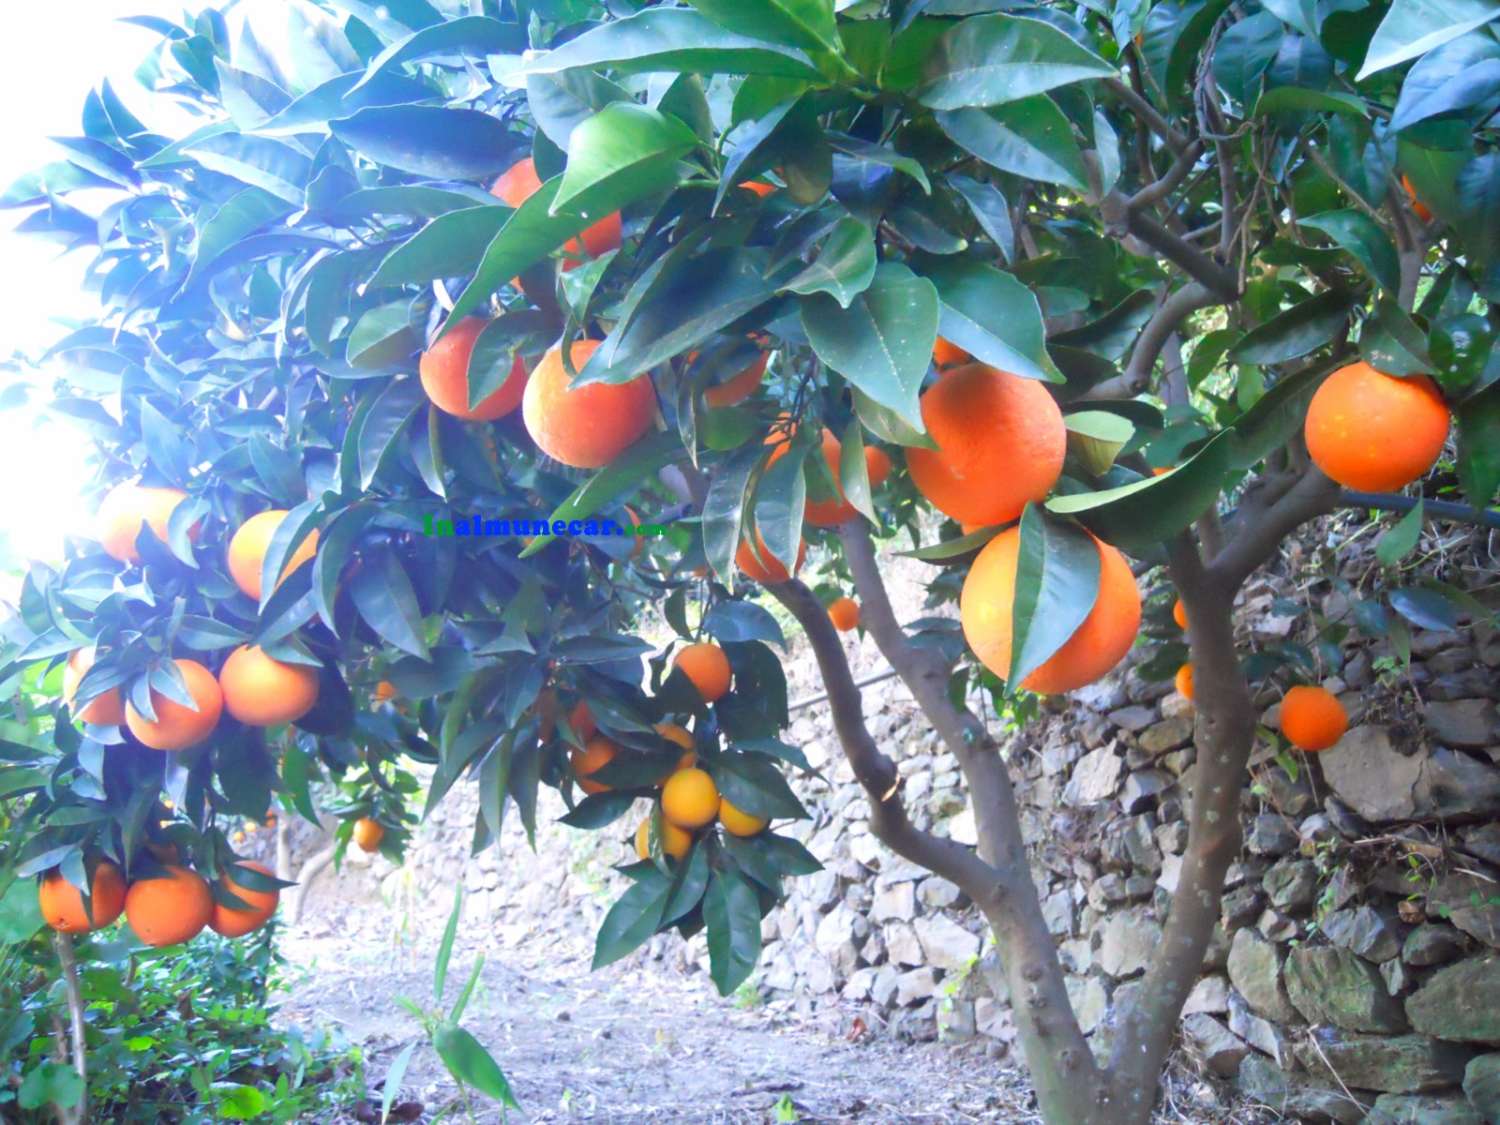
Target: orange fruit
x: 707, y: 667
x: 987, y: 602
x: 773, y: 570
x: 235, y: 922
x: 444, y: 370
x: 946, y: 354
x: 1183, y: 681
x: 581, y: 719
x: 597, y: 753
x: 738, y: 823
x: 689, y: 799
x: 178, y: 727
x: 1312, y: 718
x: 107, y: 709
x: 1374, y: 432
x: 674, y: 841
x: 169, y: 909
x: 830, y: 513
x: 368, y: 833
x: 262, y: 692
x: 1420, y: 209
x: 877, y: 465
x: 62, y: 903
x: 1000, y: 442
x: 125, y: 508
x: 844, y: 613
x: 517, y: 184
x: 1179, y: 614
x: 247, y: 550
x: 739, y: 388
x: 674, y: 733
x: 1162, y: 470
x: 384, y: 691
x: 758, y: 187
x: 584, y: 427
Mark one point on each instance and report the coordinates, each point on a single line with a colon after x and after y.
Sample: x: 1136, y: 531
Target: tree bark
x: 79, y: 1044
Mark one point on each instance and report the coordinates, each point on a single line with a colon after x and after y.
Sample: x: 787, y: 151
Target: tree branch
x: 1198, y: 265
x: 1147, y: 113
x: 1256, y: 533
x: 1167, y: 319
x: 64, y: 946
x: 1160, y: 189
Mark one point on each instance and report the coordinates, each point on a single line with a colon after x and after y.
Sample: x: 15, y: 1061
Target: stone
x: 1270, y: 835
x: 1331, y: 985
x: 1421, y: 1109
x: 1089, y: 1001
x: 1139, y: 845
x: 1126, y: 943
x: 1172, y: 837
x: 897, y: 903
x: 1291, y: 884
x: 1214, y: 1045
x: 993, y: 1019
x: 1133, y: 719
x: 1057, y: 911
x: 1393, y: 972
x: 867, y: 851
x: 1460, y: 1001
x: 899, y: 870
x: 1261, y: 1034
x: 1470, y: 903
x: 1483, y: 840
x: 946, y: 944
x: 955, y: 1020
x: 1431, y: 944
x: 1401, y: 1064
x: 1169, y: 734
x: 1210, y: 994
x: 938, y: 893
x: 1255, y: 969
x: 1095, y: 777
x: 1368, y: 773
x: 1472, y: 723
x: 1364, y: 931
x: 1242, y: 906
x: 1290, y: 798
x: 836, y: 935
x: 857, y: 987
x: 962, y: 830
x: 1171, y: 871
x: 1262, y: 1081
x: 1452, y: 784
x: 901, y: 944
x: 1275, y: 926
x: 1482, y: 1086
x: 883, y: 987
x: 915, y: 986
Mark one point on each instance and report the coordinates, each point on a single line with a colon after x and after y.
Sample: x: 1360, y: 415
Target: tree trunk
x: 64, y: 945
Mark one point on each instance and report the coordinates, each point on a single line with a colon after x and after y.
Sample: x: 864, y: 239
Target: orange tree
x: 1110, y: 287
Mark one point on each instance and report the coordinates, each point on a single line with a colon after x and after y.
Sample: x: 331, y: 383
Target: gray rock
x: 1460, y: 1001
x: 955, y: 1020
x: 1421, y: 1109
x: 1291, y: 884
x: 902, y: 945
x: 1095, y: 777
x: 898, y: 870
x: 836, y: 935
x: 1089, y: 1001
x: 1452, y: 784
x: 1344, y: 819
x: 1133, y: 719
x: 1482, y: 1086
x: 1255, y: 969
x: 1431, y: 944
x: 915, y: 986
x: 1275, y: 926
x: 1329, y: 985
x: 1210, y: 994
x: 1473, y: 723
x: 1139, y: 844
x: 1058, y: 912
x: 1401, y: 1064
x: 993, y: 1019
x: 1470, y: 903
x: 1371, y: 776
x: 1242, y: 906
x: 895, y: 903
x: 1172, y: 837
x: 1261, y: 1080
x: 937, y: 893
x: 1213, y: 1044
x: 1362, y: 930
x: 1126, y: 943
x: 1396, y: 978
x: 1169, y: 734
x: 945, y: 943
x: 1270, y: 835
x: 1261, y: 1034
x: 1290, y: 798
x: 1142, y: 787
x: 1483, y: 840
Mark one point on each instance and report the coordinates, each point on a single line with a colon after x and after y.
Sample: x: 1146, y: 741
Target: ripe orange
x: 1374, y: 432
x: 1183, y: 681
x: 234, y: 922
x: 178, y: 727
x: 169, y: 909
x: 707, y: 667
x: 675, y: 842
x: 62, y: 903
x: 1000, y: 442
x: 384, y: 691
x: 946, y: 354
x: 1179, y: 614
x: 125, y: 508
x: 262, y: 692
x: 107, y: 709
x: 773, y: 570
x: 830, y: 513
x: 758, y: 187
x: 738, y: 389
x: 1312, y: 718
x: 738, y: 823
x: 987, y: 601
x: 844, y: 613
x: 584, y: 427
x: 1420, y: 209
x: 680, y: 735
x: 516, y: 185
x: 597, y: 753
x: 247, y: 550
x: 368, y: 833
x: 690, y: 799
x: 444, y: 370
x: 581, y: 719
x: 877, y: 465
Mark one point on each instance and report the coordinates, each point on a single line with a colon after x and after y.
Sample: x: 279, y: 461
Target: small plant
x: 748, y: 997
x: 785, y: 1110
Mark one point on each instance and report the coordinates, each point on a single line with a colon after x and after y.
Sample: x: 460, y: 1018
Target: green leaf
x: 990, y: 210
x: 1478, y: 421
x: 470, y: 35
x: 807, y: 24
x: 561, y: 102
x: 393, y: 1078
x: 991, y: 59
x: 20, y: 912
x: 844, y: 266
x: 755, y: 785
x: 673, y: 39
x: 882, y: 343
x: 1478, y: 197
x: 468, y: 1061
x: 266, y: 164
x: 49, y: 1083
x: 731, y: 913
x: 621, y: 476
x: 1243, y: 54
x: 1296, y: 331
x: 879, y: 154
x: 733, y: 620
x: 445, y: 947
x: 1362, y: 237
x: 1112, y: 335
x: 598, y: 810
x: 1300, y: 99
x: 631, y: 920
x: 455, y: 144
x: 332, y: 98
x: 854, y: 472
x: 993, y: 317
x: 383, y: 337
x: 1414, y: 27
x: 1400, y: 540
x: 690, y: 883
x: 1426, y: 609
x: 240, y: 1103
x: 1096, y: 438
x: 450, y: 245
x: 1057, y: 583
x: 723, y: 509
x: 384, y: 596
x: 1391, y: 341
x: 241, y: 215
x: 1029, y: 138
x: 622, y: 153
x: 1459, y: 76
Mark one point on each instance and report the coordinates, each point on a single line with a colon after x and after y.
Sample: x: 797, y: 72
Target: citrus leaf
x: 731, y: 913
x: 1057, y: 583
x: 993, y: 317
x: 990, y: 59
x: 1029, y: 138
x: 622, y: 153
